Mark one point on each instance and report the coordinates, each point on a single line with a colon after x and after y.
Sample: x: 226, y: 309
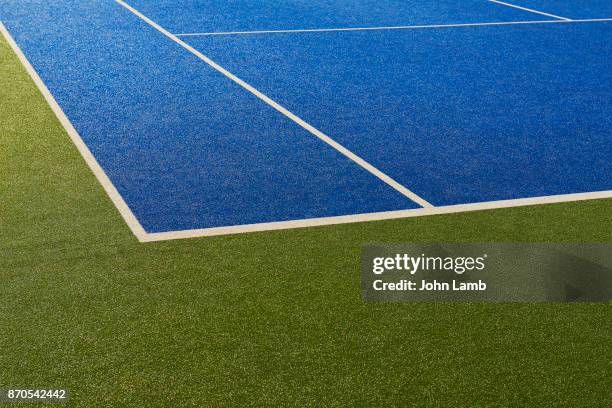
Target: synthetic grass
x: 265, y: 319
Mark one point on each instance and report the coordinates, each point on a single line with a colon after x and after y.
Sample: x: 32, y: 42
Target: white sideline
x: 530, y: 10
x: 305, y: 125
x: 407, y: 27
x: 89, y: 158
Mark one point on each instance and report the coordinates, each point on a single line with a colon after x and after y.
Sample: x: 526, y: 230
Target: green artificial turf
x: 262, y: 319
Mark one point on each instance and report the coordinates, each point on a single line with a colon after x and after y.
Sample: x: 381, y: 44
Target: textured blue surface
x: 245, y: 15
x: 456, y: 114
x: 184, y: 146
x: 573, y: 9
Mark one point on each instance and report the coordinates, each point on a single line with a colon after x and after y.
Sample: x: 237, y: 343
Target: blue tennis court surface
x: 207, y: 113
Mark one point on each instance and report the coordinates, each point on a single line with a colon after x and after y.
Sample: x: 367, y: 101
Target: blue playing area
x: 209, y: 113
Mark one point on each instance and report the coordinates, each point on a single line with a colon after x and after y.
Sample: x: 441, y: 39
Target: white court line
x: 302, y: 123
x: 143, y: 236
x: 91, y: 161
x: 387, y: 215
x: 408, y: 27
x: 530, y: 10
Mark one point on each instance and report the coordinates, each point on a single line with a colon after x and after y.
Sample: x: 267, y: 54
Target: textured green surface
x: 264, y: 319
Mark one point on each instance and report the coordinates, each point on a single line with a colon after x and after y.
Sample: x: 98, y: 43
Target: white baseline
x: 379, y: 216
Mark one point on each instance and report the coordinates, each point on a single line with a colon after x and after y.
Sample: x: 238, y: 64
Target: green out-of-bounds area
x: 262, y: 319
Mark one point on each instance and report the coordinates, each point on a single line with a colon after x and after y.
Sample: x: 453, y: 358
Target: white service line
x: 530, y: 10
x: 316, y: 132
x: 408, y: 27
x: 91, y: 161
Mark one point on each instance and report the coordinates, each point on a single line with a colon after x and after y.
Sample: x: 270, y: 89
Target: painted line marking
x: 530, y: 10
x: 89, y: 158
x: 409, y: 27
x: 314, y: 131
x: 143, y: 236
x: 388, y: 215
